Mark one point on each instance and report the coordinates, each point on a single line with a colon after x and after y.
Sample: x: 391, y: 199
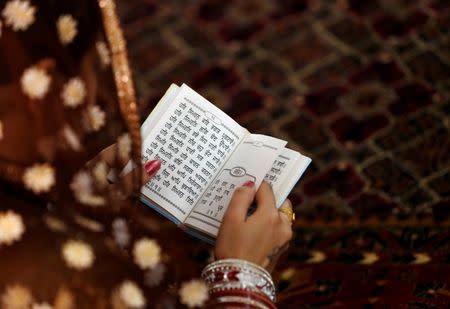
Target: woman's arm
x: 247, y: 244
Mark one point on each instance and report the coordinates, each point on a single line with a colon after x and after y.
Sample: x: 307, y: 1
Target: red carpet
x: 362, y: 87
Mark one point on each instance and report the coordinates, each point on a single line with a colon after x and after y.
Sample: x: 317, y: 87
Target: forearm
x: 238, y: 283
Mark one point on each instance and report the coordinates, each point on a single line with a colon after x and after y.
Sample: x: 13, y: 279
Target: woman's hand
x: 258, y: 238
x: 150, y: 168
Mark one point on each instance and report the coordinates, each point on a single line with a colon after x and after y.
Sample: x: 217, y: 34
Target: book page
x: 193, y: 139
x: 285, y: 172
x: 151, y: 121
x: 250, y: 161
x: 159, y: 110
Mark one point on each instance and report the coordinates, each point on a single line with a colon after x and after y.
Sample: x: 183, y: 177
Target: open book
x: 205, y: 155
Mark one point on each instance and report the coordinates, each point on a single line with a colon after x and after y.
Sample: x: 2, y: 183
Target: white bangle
x: 231, y: 274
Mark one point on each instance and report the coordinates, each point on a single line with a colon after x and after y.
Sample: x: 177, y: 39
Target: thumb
x: 149, y: 170
x: 240, y: 202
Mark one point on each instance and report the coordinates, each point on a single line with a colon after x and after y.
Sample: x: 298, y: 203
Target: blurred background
x: 362, y: 87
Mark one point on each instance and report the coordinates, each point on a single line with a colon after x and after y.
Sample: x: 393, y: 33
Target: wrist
x: 239, y: 276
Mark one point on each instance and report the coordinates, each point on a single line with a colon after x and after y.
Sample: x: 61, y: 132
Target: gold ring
x: 288, y: 212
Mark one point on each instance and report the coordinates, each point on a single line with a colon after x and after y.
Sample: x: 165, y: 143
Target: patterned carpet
x: 362, y: 87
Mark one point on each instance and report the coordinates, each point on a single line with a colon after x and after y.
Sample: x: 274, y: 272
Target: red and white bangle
x: 240, y: 298
x: 238, y: 275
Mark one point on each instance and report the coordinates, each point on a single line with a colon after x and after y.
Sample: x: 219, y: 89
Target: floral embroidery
x: 19, y: 14
x: 78, y: 254
x: 103, y: 53
x: 74, y: 92
x: 96, y: 117
x: 67, y: 29
x: 11, y: 227
x: 147, y: 253
x: 100, y: 172
x: 193, y: 293
x: 132, y: 295
x: 39, y: 178
x: 35, y: 83
x: 16, y: 296
x: 81, y: 186
x: 124, y: 146
x: 81, y: 183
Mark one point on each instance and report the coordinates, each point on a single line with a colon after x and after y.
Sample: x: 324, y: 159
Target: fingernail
x: 249, y: 184
x: 152, y: 167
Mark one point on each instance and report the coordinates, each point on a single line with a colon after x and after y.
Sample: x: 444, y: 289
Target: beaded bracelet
x: 235, y: 274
